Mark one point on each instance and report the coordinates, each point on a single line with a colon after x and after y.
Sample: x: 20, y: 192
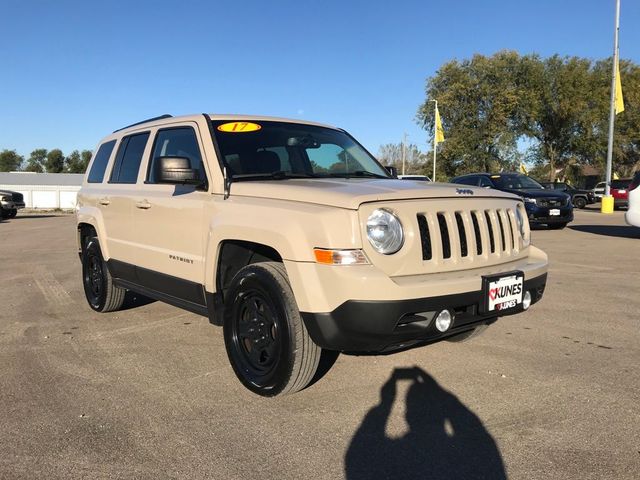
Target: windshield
x: 515, y: 182
x: 278, y: 150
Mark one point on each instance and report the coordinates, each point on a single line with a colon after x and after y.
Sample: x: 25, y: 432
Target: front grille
x: 459, y: 234
x: 17, y: 197
x: 552, y: 202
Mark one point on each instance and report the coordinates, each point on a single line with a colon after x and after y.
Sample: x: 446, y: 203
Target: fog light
x: 526, y: 300
x: 443, y: 320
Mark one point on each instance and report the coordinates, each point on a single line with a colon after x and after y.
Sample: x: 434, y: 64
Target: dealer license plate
x: 502, y: 292
x: 554, y: 212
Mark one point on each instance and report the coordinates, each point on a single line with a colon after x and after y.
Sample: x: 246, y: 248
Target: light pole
x: 435, y: 134
x: 607, y: 200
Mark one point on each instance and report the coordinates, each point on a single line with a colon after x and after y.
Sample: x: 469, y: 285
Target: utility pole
x: 404, y: 142
x: 607, y: 201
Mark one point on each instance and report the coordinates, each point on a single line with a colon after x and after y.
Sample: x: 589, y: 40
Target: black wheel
x: 468, y: 335
x: 101, y: 293
x: 557, y: 226
x: 13, y: 213
x: 579, y: 202
x: 5, y: 213
x: 267, y: 343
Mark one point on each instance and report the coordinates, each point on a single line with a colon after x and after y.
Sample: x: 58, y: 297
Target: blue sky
x: 71, y: 72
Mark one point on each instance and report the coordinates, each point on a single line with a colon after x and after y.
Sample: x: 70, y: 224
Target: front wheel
x: 267, y: 342
x: 13, y: 213
x: 579, y: 202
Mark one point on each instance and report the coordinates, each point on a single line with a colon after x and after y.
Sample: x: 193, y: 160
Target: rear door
x: 170, y: 221
x: 116, y: 199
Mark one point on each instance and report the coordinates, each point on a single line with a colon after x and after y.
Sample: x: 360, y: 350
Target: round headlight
x: 384, y: 231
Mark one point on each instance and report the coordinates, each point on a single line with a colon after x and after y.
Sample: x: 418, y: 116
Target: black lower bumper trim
x: 376, y: 326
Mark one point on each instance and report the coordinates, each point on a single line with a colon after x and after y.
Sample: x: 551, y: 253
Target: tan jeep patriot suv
x: 294, y: 238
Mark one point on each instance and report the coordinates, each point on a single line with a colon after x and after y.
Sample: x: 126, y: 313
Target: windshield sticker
x: 239, y: 127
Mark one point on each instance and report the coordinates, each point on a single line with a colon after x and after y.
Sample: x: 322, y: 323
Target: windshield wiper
x: 279, y: 175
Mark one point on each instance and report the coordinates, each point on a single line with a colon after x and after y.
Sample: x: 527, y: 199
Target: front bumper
x: 377, y: 326
x: 11, y: 205
x: 541, y: 215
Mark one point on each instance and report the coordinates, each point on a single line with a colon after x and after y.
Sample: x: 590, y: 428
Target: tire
x: 267, y: 342
x: 557, y: 226
x: 102, y: 295
x: 580, y: 203
x: 468, y: 335
x: 5, y: 213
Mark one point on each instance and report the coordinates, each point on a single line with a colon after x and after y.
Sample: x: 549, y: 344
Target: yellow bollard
x: 607, y: 204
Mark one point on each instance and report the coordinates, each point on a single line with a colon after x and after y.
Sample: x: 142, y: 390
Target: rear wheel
x: 579, y: 202
x: 5, y: 213
x: 102, y: 295
x: 267, y: 343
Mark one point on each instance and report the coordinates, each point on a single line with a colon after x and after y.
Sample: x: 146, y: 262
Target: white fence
x: 46, y: 196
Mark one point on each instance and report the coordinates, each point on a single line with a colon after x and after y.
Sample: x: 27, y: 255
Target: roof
x: 30, y: 178
x: 168, y: 119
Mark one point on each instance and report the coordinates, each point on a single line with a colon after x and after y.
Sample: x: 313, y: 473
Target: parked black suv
x: 549, y: 207
x: 579, y: 198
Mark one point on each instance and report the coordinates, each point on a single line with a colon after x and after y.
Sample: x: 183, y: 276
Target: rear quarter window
x: 100, y: 161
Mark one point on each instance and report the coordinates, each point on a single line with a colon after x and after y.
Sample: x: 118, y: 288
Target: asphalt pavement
x: 148, y: 392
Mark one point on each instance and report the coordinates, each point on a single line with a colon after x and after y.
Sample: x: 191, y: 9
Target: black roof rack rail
x: 160, y: 117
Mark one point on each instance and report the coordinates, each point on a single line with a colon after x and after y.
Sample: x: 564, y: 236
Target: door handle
x: 143, y: 204
x: 104, y: 201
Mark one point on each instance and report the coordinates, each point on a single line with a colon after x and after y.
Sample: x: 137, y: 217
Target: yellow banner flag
x: 523, y: 169
x: 619, y: 101
x: 439, y: 130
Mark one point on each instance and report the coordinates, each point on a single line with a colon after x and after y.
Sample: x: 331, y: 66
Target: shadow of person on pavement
x: 445, y: 439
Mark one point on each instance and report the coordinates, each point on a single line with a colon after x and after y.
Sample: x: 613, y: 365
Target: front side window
x: 283, y: 150
x: 125, y: 169
x: 96, y: 174
x: 175, y: 142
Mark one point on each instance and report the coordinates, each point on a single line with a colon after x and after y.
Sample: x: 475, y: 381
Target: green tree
x: 36, y: 161
x: 391, y: 155
x: 10, y: 160
x: 481, y: 108
x: 74, y: 163
x: 86, y: 158
x: 55, y: 161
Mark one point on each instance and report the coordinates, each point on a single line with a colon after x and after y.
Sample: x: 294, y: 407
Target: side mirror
x: 176, y: 171
x: 393, y: 171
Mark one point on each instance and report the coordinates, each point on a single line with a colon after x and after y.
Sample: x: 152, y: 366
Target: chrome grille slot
x: 425, y: 238
x: 492, y: 242
x: 476, y: 231
x: 462, y: 234
x: 444, y: 235
x: 511, y: 230
x: 502, y: 236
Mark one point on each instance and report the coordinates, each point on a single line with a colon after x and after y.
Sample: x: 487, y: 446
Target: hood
x: 537, y: 193
x: 353, y: 192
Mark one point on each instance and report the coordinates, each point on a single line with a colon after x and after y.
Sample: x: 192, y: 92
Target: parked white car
x: 633, y: 210
x: 598, y: 190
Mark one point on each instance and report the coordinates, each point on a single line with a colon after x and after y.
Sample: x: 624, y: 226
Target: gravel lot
x: 148, y: 393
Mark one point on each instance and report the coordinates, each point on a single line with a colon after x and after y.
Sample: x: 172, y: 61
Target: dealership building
x: 44, y: 190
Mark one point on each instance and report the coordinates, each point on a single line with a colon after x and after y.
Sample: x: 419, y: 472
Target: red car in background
x: 620, y: 192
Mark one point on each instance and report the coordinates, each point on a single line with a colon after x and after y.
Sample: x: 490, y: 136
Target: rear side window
x: 96, y: 174
x: 468, y: 181
x: 176, y: 142
x: 129, y: 157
